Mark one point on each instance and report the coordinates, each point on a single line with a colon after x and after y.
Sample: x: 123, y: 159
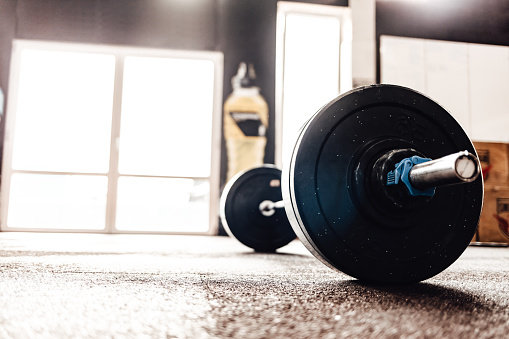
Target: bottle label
x: 249, y: 123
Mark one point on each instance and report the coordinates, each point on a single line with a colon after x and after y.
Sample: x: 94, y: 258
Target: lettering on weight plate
x: 361, y: 239
x: 379, y: 245
x: 410, y: 128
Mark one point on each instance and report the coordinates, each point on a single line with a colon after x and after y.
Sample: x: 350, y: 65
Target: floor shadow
x: 424, y: 294
x: 275, y: 254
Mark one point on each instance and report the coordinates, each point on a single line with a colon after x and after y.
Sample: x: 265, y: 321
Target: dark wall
x: 7, y: 33
x: 247, y: 32
x: 170, y: 24
x: 473, y: 21
x: 155, y: 23
x: 244, y: 30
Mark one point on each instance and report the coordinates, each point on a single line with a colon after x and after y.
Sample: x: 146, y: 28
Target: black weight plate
x: 342, y: 222
x: 241, y: 216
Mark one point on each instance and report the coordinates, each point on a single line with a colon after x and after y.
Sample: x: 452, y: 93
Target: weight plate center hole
x: 267, y: 208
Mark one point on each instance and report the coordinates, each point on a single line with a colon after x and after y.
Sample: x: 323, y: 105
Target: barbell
x: 382, y: 184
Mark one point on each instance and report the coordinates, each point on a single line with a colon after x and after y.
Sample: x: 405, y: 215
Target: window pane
x: 63, y: 115
x: 162, y: 204
x: 57, y: 201
x: 166, y: 126
x: 311, y: 69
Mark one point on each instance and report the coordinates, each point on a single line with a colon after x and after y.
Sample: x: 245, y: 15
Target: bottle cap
x: 245, y: 77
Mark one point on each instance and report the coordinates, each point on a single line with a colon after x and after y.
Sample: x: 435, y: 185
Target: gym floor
x: 145, y: 286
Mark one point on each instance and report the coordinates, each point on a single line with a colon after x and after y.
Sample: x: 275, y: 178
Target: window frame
x: 120, y: 53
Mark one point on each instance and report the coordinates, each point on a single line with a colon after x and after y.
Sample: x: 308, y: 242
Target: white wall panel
x: 447, y: 78
x: 403, y: 63
x: 489, y: 92
x: 470, y: 80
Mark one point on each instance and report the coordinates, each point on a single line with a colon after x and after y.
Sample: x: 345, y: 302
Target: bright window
x: 63, y: 99
x: 57, y: 201
x: 314, y: 64
x: 111, y: 139
x: 169, y: 102
x: 161, y: 204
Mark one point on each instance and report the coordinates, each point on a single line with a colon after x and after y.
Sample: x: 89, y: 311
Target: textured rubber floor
x: 104, y: 286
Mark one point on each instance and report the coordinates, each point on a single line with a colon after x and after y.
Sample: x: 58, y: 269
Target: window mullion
x: 111, y: 202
